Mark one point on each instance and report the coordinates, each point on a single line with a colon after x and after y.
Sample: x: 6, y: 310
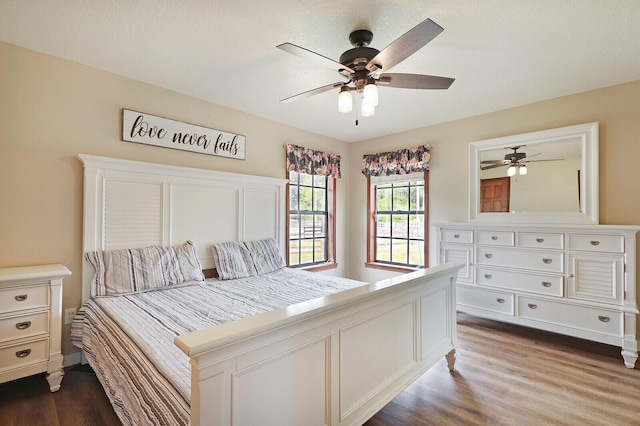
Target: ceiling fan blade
x: 494, y: 162
x: 312, y: 92
x: 405, y: 46
x: 539, y: 161
x: 492, y: 166
x: 303, y: 53
x: 415, y: 81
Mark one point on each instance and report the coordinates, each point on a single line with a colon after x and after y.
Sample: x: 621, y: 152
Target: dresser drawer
x: 496, y: 238
x: 586, y: 318
x: 608, y: 243
x: 24, y: 354
x: 20, y: 326
x: 544, y: 261
x: 489, y: 300
x: 456, y: 236
x: 540, y: 240
x: 21, y: 298
x: 550, y: 285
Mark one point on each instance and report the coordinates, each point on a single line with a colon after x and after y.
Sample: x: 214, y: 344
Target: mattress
x: 128, y: 339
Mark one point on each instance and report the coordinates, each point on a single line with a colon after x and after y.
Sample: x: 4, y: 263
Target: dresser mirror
x: 550, y: 176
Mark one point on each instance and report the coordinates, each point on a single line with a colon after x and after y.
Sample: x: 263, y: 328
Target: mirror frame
x: 589, y: 177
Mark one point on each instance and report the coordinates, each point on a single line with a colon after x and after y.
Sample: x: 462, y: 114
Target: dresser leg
x: 630, y: 358
x: 451, y: 360
x: 55, y: 373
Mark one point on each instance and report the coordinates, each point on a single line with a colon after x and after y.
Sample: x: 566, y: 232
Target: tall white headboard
x: 129, y: 204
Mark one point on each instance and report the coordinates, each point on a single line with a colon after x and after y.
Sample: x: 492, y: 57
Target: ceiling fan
x: 361, y: 67
x: 515, y: 160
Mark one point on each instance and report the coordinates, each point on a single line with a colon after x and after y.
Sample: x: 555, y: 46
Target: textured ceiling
x: 502, y: 53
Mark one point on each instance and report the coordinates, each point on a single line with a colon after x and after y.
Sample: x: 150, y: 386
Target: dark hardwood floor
x: 505, y: 375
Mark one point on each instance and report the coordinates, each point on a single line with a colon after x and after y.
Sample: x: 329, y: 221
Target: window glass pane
x: 319, y: 227
x: 294, y: 253
x: 383, y: 201
x: 399, y: 253
x: 293, y: 198
x: 306, y: 225
x: 416, y: 253
x: 417, y: 198
x: 319, y: 197
x: 306, y: 251
x: 401, y: 198
x: 383, y: 249
x: 416, y: 226
x: 400, y: 226
x: 383, y: 225
x: 319, y: 181
x: 319, y: 250
x: 306, y: 179
x: 293, y: 178
x: 294, y: 226
x: 305, y: 198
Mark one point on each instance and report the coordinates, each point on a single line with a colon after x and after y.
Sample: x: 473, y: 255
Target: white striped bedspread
x: 128, y: 339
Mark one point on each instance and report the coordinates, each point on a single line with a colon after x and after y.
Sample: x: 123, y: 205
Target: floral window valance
x: 305, y: 160
x: 401, y: 162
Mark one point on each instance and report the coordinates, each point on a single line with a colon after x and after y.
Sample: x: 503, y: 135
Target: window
x: 398, y: 222
x: 311, y: 227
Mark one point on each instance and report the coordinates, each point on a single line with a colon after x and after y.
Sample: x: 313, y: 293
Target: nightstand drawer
x: 456, y: 236
x: 24, y: 354
x: 605, y: 243
x: 20, y: 326
x: 22, y: 298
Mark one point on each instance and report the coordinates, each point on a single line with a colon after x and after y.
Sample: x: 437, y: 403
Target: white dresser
x: 31, y: 322
x: 578, y: 280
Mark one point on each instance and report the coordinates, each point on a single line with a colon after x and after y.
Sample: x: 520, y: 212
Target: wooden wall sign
x: 149, y: 129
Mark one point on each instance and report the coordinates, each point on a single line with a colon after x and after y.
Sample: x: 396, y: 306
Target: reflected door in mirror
x: 494, y: 194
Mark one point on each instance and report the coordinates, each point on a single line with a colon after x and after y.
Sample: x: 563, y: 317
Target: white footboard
x: 335, y: 360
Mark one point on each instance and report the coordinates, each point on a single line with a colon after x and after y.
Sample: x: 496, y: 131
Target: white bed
x: 334, y: 359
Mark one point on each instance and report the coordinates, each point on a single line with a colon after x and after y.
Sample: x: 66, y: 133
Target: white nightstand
x: 31, y: 322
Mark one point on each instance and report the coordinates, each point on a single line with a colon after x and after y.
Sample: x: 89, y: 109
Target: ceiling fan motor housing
x: 515, y: 156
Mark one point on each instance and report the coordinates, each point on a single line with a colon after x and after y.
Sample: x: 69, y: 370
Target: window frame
x: 371, y: 231
x: 331, y: 262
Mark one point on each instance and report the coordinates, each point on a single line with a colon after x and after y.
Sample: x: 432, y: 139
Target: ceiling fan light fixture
x: 370, y: 93
x: 345, y: 100
x: 368, y: 110
x: 522, y: 170
x: 511, y: 171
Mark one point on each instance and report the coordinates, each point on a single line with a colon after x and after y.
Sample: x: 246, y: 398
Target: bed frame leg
x: 451, y: 360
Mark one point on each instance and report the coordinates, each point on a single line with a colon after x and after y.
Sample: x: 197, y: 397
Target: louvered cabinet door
x: 597, y: 277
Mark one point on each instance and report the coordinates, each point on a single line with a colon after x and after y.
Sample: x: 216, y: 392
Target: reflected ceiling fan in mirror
x: 361, y: 67
x: 515, y: 160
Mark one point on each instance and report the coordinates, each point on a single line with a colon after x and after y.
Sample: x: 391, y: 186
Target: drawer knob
x: 23, y: 325
x: 539, y: 240
x: 493, y: 237
x: 23, y: 353
x: 21, y: 297
x: 488, y: 255
x: 488, y: 276
x: 546, y: 284
x: 532, y: 306
x: 603, y: 318
x: 594, y: 243
x: 547, y: 260
x: 456, y: 236
x: 500, y: 300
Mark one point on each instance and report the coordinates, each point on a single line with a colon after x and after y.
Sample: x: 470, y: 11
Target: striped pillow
x: 233, y: 260
x: 129, y: 270
x: 266, y: 255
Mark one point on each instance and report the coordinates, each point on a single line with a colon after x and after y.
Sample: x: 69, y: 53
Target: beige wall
x: 616, y: 108
x: 51, y: 110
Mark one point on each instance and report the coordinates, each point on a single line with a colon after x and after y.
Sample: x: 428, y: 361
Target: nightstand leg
x: 55, y: 373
